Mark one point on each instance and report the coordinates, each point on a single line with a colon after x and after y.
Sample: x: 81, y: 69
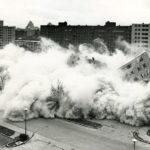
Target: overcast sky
x: 91, y: 12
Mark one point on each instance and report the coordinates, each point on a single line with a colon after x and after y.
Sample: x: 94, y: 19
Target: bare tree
x: 54, y: 100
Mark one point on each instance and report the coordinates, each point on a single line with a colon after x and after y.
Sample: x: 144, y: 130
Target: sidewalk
x: 141, y: 135
x: 38, y: 142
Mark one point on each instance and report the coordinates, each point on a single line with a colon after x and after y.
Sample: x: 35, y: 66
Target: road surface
x: 112, y: 136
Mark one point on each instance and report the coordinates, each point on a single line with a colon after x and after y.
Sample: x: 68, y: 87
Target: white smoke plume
x: 70, y: 83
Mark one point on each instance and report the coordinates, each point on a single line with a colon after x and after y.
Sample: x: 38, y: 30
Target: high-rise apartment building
x: 7, y: 35
x: 65, y: 34
x: 141, y: 36
x: 137, y: 69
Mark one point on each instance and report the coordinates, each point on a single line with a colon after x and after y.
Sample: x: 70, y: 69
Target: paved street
x: 106, y: 138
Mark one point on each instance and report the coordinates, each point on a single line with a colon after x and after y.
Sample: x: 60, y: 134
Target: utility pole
x: 25, y: 120
x: 134, y: 141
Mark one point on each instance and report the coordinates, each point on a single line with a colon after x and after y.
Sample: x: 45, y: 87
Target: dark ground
x: 4, y: 140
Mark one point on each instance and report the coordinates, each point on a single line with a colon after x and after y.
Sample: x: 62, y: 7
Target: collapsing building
x: 137, y: 69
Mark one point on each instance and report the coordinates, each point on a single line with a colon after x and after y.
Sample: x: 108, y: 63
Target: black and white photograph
x: 74, y: 74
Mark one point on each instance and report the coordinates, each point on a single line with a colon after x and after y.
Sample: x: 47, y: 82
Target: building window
x: 145, y: 25
x: 144, y: 66
x: 128, y: 66
x: 141, y: 59
x: 144, y: 33
x: 144, y: 29
x: 138, y: 68
x: 144, y: 41
x: 145, y: 38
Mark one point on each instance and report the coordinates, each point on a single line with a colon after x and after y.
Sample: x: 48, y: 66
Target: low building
x: 137, y: 69
x: 32, y: 45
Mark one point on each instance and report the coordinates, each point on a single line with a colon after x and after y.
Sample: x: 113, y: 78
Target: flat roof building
x: 65, y: 34
x: 31, y: 45
x: 141, y: 36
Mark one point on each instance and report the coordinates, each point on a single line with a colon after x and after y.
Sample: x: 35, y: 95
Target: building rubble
x: 137, y: 69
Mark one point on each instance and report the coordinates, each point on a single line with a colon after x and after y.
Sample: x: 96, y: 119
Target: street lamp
x: 25, y: 120
x: 134, y: 141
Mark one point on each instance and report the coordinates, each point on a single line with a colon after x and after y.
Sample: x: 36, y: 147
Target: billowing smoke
x: 81, y: 82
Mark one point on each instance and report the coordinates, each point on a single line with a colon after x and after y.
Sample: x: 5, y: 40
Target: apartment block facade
x: 32, y: 45
x: 7, y: 35
x: 141, y: 36
x: 137, y: 69
x: 65, y: 34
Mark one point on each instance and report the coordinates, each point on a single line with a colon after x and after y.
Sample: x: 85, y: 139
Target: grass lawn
x: 4, y: 140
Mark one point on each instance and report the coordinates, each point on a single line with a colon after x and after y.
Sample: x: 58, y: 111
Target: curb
x: 137, y: 137
x: 40, y: 138
x: 13, y: 137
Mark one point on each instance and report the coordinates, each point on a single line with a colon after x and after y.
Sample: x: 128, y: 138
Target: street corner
x: 142, y: 135
x: 39, y: 142
x: 9, y: 137
x: 13, y: 137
